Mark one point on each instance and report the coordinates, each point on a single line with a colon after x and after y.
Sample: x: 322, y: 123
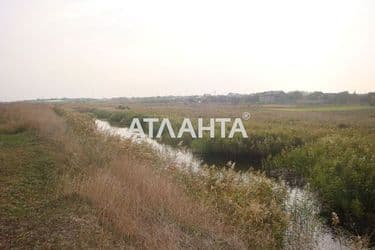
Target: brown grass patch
x: 139, y: 201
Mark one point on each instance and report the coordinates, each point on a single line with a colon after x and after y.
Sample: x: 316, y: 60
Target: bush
x: 342, y: 170
x: 257, y: 147
x: 249, y: 201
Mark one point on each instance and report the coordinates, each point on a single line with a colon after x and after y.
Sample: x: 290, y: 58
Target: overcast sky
x: 97, y: 48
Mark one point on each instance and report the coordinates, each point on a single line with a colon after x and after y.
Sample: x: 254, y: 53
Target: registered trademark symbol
x: 246, y: 116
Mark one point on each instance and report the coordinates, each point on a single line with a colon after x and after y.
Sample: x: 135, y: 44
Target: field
x: 329, y: 147
x: 67, y: 185
x: 323, y: 108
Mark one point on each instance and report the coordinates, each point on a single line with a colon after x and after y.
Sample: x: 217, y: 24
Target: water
x: 301, y: 203
x: 179, y: 157
x: 305, y: 209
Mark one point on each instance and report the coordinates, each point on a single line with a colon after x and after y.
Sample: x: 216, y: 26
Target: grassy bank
x: 34, y: 212
x: 74, y: 187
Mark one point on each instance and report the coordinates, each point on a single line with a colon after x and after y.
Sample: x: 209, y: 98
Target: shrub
x: 342, y: 170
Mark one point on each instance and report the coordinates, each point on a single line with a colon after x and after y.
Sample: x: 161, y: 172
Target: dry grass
x: 34, y: 213
x: 150, y: 210
x: 144, y: 205
x: 139, y: 200
x: 153, y: 210
x: 18, y: 117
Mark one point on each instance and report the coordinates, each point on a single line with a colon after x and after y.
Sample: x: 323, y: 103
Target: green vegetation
x: 325, y: 108
x: 257, y: 147
x: 342, y: 170
x: 329, y: 147
x: 249, y: 201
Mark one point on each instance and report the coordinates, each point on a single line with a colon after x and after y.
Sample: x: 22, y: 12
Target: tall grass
x: 19, y: 117
x: 144, y: 198
x: 145, y: 204
x: 251, y: 203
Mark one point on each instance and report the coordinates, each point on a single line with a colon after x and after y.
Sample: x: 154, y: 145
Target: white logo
x: 187, y: 127
x: 246, y: 116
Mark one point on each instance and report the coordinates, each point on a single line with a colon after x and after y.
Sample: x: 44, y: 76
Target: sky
x: 112, y: 48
